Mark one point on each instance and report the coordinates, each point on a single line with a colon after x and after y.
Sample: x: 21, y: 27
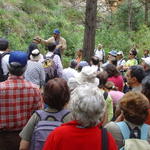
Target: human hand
x: 37, y: 39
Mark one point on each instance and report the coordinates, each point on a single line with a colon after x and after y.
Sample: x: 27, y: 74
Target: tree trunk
x: 90, y: 29
x: 130, y: 15
x: 146, y: 11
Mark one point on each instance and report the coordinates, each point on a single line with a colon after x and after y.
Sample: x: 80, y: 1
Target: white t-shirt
x: 100, y: 53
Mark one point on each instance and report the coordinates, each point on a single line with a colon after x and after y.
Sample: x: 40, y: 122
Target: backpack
x: 44, y: 127
x: 50, y: 68
x: 131, y: 143
x: 2, y: 76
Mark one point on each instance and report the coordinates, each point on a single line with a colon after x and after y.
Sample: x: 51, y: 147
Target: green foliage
x: 120, y: 17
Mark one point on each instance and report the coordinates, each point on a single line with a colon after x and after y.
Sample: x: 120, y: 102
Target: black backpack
x: 2, y: 76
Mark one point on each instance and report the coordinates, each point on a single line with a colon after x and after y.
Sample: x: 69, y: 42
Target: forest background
x: 22, y: 20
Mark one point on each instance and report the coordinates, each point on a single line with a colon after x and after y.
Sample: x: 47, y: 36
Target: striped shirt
x: 18, y: 100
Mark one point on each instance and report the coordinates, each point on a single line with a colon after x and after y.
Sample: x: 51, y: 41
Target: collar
x: 75, y: 123
x: 15, y: 77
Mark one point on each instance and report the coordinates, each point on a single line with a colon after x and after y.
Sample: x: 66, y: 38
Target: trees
x: 90, y: 28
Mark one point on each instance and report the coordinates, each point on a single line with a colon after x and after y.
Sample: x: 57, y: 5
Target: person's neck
x: 136, y: 84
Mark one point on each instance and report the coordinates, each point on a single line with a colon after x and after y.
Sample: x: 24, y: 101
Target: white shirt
x: 121, y: 62
x: 95, y: 67
x: 5, y: 62
x: 100, y: 53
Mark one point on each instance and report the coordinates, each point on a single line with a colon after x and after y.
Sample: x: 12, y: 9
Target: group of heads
x: 86, y: 102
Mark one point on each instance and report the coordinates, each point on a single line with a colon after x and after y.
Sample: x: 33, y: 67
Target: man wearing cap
x: 18, y: 100
x: 146, y: 65
x: 58, y: 40
x: 120, y: 61
x: 112, y: 58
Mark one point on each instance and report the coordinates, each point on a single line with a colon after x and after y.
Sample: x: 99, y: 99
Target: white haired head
x: 87, y: 105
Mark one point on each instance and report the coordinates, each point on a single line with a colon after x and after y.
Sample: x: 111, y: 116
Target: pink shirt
x: 118, y: 81
x: 116, y: 96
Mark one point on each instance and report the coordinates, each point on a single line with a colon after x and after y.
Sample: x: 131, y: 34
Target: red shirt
x: 70, y: 137
x: 18, y: 100
x: 118, y: 81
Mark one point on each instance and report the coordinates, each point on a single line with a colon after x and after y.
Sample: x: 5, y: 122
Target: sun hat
x: 35, y: 55
x: 146, y: 60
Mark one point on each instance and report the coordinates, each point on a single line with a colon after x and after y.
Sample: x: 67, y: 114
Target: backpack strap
x: 144, y: 131
x: 105, y: 94
x: 126, y: 131
x: 105, y: 142
x: 57, y: 116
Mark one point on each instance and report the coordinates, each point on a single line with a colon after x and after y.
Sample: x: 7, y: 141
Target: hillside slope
x: 21, y: 20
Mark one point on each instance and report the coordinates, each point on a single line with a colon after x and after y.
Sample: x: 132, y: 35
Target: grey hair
x: 87, y: 105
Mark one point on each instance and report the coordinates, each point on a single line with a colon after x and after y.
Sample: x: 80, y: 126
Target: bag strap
x: 144, y: 131
x: 57, y: 116
x: 105, y: 94
x: 105, y: 143
x: 126, y: 131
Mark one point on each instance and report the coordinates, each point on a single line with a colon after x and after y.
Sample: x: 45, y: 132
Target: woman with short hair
x: 56, y: 96
x: 88, y: 107
x: 134, y: 111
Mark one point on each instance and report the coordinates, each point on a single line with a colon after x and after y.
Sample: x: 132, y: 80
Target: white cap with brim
x: 120, y: 53
x: 146, y: 60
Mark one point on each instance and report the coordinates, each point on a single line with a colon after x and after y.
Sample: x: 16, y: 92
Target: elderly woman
x: 56, y: 96
x: 88, y: 106
x: 134, y: 107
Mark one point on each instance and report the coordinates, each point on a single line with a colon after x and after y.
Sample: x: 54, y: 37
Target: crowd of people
x: 96, y: 105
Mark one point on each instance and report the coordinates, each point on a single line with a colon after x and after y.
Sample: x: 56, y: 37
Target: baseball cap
x: 56, y: 31
x: 120, y: 53
x: 113, y: 53
x: 18, y: 58
x: 146, y: 60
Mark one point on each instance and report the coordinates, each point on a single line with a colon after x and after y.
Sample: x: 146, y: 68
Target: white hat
x: 88, y: 74
x: 35, y: 55
x: 146, y: 60
x: 120, y: 53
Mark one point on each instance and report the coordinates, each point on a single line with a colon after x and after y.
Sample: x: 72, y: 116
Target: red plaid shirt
x: 18, y: 100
